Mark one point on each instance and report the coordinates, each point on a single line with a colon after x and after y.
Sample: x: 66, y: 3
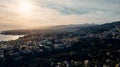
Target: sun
x: 25, y: 7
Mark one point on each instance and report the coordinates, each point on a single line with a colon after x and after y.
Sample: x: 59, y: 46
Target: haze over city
x: 59, y: 33
x: 35, y: 13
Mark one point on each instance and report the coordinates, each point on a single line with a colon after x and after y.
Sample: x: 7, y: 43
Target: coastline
x: 9, y: 37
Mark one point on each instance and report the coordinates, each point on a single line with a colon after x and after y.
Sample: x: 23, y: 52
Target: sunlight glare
x: 25, y: 7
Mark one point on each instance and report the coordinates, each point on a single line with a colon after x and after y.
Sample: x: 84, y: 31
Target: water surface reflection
x: 9, y: 37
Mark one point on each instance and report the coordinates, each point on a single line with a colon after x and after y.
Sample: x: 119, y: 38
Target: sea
x: 9, y: 37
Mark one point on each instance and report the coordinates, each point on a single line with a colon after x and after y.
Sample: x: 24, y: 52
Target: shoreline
x: 9, y: 37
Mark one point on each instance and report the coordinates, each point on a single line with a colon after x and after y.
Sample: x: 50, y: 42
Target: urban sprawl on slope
x: 89, y: 46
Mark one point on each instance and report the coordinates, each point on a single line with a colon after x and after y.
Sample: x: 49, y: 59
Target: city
x: 59, y: 33
x: 89, y: 46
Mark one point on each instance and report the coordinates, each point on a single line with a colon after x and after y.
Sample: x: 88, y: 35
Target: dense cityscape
x: 74, y: 46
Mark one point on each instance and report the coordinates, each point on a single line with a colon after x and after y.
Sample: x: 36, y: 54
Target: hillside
x: 75, y: 46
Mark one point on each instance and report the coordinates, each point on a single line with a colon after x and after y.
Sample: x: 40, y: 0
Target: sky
x: 35, y: 13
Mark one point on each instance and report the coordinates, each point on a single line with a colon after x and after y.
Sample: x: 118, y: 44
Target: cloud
x: 54, y: 12
x: 80, y: 5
